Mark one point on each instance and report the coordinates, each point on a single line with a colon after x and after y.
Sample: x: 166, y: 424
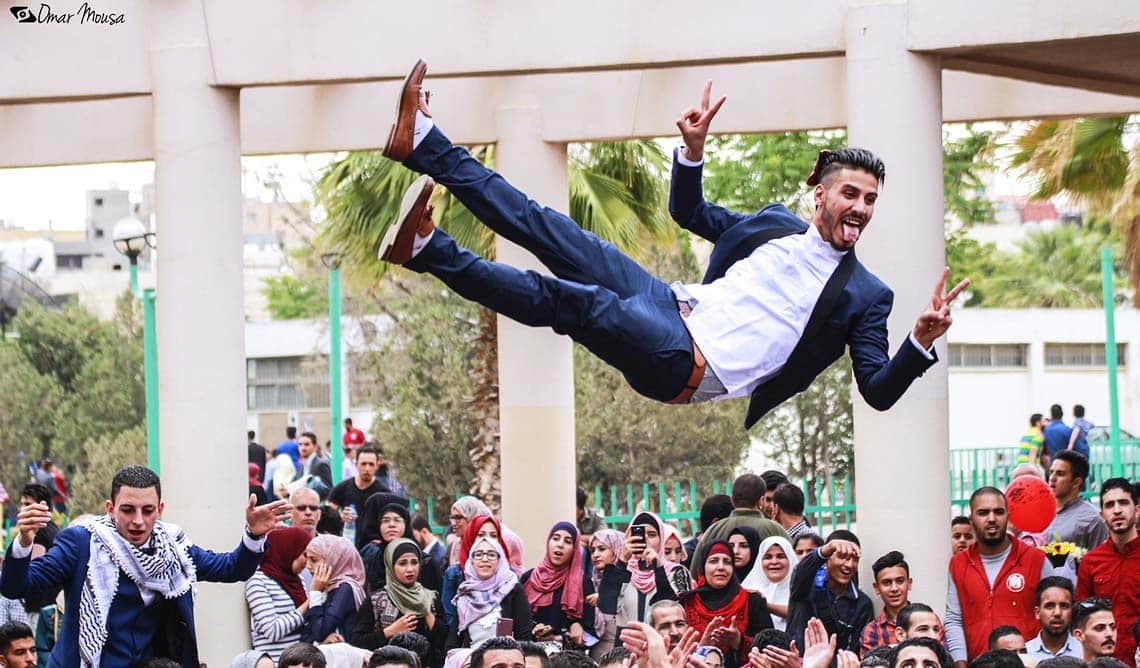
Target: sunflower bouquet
x: 1060, y: 551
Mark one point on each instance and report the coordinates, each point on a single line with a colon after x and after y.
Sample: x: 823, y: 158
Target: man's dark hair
x: 890, y: 560
x: 37, y: 492
x: 500, y: 642
x: 580, y: 498
x: 716, y: 507
x: 1061, y: 662
x: 747, y: 490
x: 879, y: 657
x: 249, y: 435
x: 536, y: 650
x: 907, y: 611
x: 290, y: 433
x: 1136, y: 631
x: 772, y: 638
x: 789, y: 499
x: 983, y: 491
x: 368, y: 450
x: 330, y: 522
x: 1055, y: 412
x: 851, y: 157
x: 14, y: 631
x: 614, y: 657
x: 1055, y: 581
x: 1117, y: 483
x: 1077, y: 462
x: 413, y: 650
x: 929, y: 643
x: 773, y: 479
x: 571, y: 658
x: 301, y: 655
x: 1078, y: 411
x: 135, y: 477
x: 959, y: 519
x: 419, y: 522
x: 1084, y: 609
x: 1035, y: 419
x: 1107, y: 662
x: 348, y: 421
x: 997, y: 658
x: 312, y: 437
x: 1001, y: 632
x: 842, y: 534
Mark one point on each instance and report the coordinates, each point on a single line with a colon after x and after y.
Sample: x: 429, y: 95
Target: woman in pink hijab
x: 557, y: 589
x: 642, y: 575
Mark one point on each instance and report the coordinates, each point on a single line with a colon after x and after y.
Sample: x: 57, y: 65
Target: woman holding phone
x: 403, y: 604
x: 557, y: 590
x: 641, y: 576
x: 491, y: 600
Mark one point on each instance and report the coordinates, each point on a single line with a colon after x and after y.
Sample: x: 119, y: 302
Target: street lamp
x: 332, y: 263
x: 131, y: 237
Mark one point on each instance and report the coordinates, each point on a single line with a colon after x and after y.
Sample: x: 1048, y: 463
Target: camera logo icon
x: 23, y: 14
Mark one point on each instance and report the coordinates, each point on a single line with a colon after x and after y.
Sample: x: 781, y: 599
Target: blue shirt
x: 1057, y: 435
x: 1083, y: 427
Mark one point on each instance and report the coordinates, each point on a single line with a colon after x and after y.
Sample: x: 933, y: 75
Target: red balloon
x: 1031, y: 504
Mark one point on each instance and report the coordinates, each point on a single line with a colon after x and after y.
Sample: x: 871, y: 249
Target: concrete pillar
x: 201, y: 340
x: 536, y: 368
x: 894, y: 108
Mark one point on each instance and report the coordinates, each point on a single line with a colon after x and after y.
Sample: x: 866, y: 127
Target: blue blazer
x: 65, y: 565
x: 858, y: 321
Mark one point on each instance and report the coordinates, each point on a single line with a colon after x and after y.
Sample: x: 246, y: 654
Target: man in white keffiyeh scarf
x: 160, y: 568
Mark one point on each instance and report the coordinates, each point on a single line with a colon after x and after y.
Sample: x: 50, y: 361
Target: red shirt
x: 353, y: 437
x: 1115, y: 575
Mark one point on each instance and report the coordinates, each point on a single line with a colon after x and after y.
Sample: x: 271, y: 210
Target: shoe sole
x: 419, y: 68
x: 400, y: 233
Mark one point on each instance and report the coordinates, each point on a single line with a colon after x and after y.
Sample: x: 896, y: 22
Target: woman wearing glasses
x: 385, y: 519
x: 480, y: 526
x: 403, y: 604
x: 491, y: 600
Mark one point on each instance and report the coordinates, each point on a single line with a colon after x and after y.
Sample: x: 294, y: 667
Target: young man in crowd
x: 353, y: 437
x: 429, y: 544
x: 1078, y: 442
x: 772, y: 480
x: 500, y: 652
x: 1055, y: 614
x: 991, y: 583
x: 1112, y: 570
x: 257, y: 454
x: 302, y: 655
x: 788, y: 510
x: 1077, y: 520
x: 1030, y: 448
x: 1008, y: 638
x: 918, y: 620
x: 830, y: 593
x: 354, y: 491
x: 17, y: 646
x: 892, y: 586
x: 961, y: 534
x: 313, y: 462
x: 1095, y: 628
x: 747, y: 503
x: 1057, y: 433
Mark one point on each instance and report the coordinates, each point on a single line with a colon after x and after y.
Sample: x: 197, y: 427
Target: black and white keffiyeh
x: 168, y: 572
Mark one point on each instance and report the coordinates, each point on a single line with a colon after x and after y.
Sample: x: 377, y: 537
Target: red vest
x: 1011, y: 601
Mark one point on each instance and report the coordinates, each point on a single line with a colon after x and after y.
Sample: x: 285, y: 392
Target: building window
x: 989, y: 355
x: 287, y: 383
x: 1081, y: 354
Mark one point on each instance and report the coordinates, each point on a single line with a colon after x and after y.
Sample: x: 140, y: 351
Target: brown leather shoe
x: 414, y: 219
x: 399, y: 144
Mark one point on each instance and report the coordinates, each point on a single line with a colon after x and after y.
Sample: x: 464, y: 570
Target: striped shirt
x: 274, y: 622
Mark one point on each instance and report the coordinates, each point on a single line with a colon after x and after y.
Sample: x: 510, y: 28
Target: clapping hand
x: 645, y: 643
x: 935, y: 318
x: 818, y: 648
x: 694, y: 124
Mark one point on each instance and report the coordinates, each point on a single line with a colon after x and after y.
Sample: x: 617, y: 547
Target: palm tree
x: 1089, y: 160
x: 616, y: 191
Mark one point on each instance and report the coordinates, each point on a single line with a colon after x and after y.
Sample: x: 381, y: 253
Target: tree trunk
x: 484, y: 448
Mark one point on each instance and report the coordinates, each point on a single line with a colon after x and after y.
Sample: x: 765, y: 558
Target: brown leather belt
x: 698, y: 372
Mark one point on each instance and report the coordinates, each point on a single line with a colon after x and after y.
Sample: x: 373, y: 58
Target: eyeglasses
x: 306, y: 509
x: 456, y: 518
x: 485, y: 556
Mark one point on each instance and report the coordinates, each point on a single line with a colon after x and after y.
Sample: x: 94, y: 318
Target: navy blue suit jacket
x: 65, y: 565
x: 859, y: 319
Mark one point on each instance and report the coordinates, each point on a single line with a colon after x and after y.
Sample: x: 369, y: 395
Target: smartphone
x: 638, y: 531
x: 505, y: 628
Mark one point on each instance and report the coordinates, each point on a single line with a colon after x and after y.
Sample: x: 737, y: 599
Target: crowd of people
x: 346, y: 575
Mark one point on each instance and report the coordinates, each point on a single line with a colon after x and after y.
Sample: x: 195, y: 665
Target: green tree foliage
x: 292, y: 298
x: 107, y: 453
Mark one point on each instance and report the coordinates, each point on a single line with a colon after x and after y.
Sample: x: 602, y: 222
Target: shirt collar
x: 815, y: 240
x: 1037, y: 646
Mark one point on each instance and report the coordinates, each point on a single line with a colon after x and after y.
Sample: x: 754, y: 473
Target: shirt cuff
x: 19, y: 551
x: 685, y: 161
x: 922, y: 350
x: 317, y: 598
x: 253, y: 544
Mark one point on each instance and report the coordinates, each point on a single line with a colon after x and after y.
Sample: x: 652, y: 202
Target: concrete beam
x: 933, y: 25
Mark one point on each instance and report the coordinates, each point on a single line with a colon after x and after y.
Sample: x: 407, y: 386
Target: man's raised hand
x: 694, y: 124
x: 261, y: 519
x: 30, y: 520
x: 935, y: 318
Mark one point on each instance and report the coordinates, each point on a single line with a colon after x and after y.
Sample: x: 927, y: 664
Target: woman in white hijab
x: 772, y: 576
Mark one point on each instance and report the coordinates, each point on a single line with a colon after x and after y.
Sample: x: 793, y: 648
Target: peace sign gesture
x: 935, y: 318
x: 694, y: 124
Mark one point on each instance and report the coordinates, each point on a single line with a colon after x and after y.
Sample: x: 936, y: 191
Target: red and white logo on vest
x: 1015, y: 582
